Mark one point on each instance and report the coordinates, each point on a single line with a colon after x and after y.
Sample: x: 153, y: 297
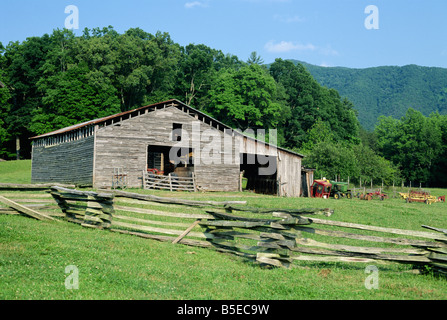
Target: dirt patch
x: 324, y: 273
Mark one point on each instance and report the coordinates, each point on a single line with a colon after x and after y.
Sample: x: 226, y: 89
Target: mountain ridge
x: 386, y: 90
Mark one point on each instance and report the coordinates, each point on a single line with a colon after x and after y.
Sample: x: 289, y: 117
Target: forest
x: 387, y: 90
x: 61, y: 79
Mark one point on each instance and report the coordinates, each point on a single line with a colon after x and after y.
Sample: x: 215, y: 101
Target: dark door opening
x: 260, y: 173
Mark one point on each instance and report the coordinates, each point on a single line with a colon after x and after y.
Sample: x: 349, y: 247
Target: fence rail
x: 275, y: 236
x: 280, y: 242
x: 169, y: 182
x: 90, y: 209
x: 269, y: 236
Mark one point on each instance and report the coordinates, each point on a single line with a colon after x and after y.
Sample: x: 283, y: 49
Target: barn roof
x: 173, y: 102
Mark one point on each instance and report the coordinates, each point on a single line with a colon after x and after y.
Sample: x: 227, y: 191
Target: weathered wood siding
x: 251, y: 146
x: 289, y: 174
x: 124, y: 145
x: 68, y: 162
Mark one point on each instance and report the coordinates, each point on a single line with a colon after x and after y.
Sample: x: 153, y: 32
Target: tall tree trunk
x: 18, y: 147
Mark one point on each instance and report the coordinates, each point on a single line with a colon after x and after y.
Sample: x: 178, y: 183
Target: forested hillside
x: 388, y: 90
x: 57, y: 80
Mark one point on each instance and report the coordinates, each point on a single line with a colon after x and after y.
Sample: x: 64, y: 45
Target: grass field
x: 15, y: 171
x: 34, y: 256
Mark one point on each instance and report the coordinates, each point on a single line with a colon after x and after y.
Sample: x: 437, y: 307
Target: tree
x: 368, y: 138
x: 72, y: 98
x: 73, y: 85
x: 23, y: 63
x: 146, y: 67
x: 246, y: 98
x: 414, y: 143
x: 331, y: 160
x: 5, y: 106
x: 320, y: 132
x: 301, y: 91
x: 197, y: 70
x: 358, y: 162
x: 372, y: 167
x: 439, y: 168
x: 255, y: 59
x: 309, y: 102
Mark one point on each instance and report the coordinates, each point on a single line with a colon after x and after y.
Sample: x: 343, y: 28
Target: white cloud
x: 287, y: 46
x: 193, y: 4
x: 328, y: 51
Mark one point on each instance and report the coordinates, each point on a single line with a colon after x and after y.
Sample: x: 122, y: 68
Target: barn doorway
x: 169, y: 168
x: 258, y: 173
x: 165, y: 160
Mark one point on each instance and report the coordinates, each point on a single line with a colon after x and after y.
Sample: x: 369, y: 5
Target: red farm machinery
x: 325, y: 188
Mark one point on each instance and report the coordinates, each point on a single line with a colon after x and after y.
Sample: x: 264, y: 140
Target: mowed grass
x: 34, y: 256
x: 15, y: 171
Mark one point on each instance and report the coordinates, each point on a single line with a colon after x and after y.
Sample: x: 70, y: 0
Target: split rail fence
x: 269, y: 236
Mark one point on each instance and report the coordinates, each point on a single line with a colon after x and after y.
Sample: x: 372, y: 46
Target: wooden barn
x: 160, y: 145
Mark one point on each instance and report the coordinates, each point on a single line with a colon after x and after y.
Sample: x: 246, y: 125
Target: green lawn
x: 34, y: 256
x: 15, y: 171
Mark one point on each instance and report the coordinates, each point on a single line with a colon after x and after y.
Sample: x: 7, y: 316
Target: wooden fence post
x: 194, y: 181
x: 98, y: 211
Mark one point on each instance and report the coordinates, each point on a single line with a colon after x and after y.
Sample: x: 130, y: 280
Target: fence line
x: 279, y: 241
x: 268, y: 236
x: 392, y: 191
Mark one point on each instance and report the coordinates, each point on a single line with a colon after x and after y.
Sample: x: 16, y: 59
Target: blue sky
x: 321, y: 32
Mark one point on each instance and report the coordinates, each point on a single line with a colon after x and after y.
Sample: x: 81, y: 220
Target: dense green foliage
x: 337, y: 159
x: 5, y: 107
x: 246, y: 98
x: 310, y: 102
x: 57, y: 80
x: 387, y: 90
x: 416, y: 144
x: 60, y: 79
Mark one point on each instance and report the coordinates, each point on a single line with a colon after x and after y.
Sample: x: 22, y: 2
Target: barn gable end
x: 126, y: 144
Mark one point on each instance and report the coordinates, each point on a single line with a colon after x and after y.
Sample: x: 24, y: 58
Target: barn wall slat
x: 69, y: 162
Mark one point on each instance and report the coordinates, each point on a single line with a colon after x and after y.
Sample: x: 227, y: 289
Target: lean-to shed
x: 164, y: 139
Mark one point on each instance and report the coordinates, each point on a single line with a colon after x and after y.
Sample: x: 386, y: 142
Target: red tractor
x: 321, y: 189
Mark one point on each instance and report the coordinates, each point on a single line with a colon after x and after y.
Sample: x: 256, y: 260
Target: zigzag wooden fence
x: 275, y: 237
x: 279, y: 237
x: 280, y: 241
x: 90, y: 209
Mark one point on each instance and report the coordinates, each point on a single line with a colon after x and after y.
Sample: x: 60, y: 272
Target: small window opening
x: 177, y: 132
